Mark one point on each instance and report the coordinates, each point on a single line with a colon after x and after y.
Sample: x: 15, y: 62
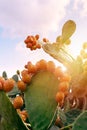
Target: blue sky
x: 19, y: 18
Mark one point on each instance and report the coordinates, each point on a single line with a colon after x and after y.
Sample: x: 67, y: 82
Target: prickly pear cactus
x: 9, y: 119
x: 40, y: 100
x: 81, y: 122
x: 44, y: 113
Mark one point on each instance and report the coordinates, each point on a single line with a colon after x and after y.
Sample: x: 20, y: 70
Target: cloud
x: 81, y: 6
x: 20, y: 47
x: 21, y: 17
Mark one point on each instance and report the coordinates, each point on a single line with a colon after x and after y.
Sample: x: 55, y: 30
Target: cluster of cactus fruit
x: 43, y: 96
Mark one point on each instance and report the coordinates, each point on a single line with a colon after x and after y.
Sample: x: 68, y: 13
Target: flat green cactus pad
x: 81, y: 122
x: 9, y: 119
x: 40, y: 100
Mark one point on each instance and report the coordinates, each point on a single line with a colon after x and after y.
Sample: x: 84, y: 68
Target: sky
x: 20, y: 18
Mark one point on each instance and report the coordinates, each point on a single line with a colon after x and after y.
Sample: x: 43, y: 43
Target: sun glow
x: 75, y: 47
